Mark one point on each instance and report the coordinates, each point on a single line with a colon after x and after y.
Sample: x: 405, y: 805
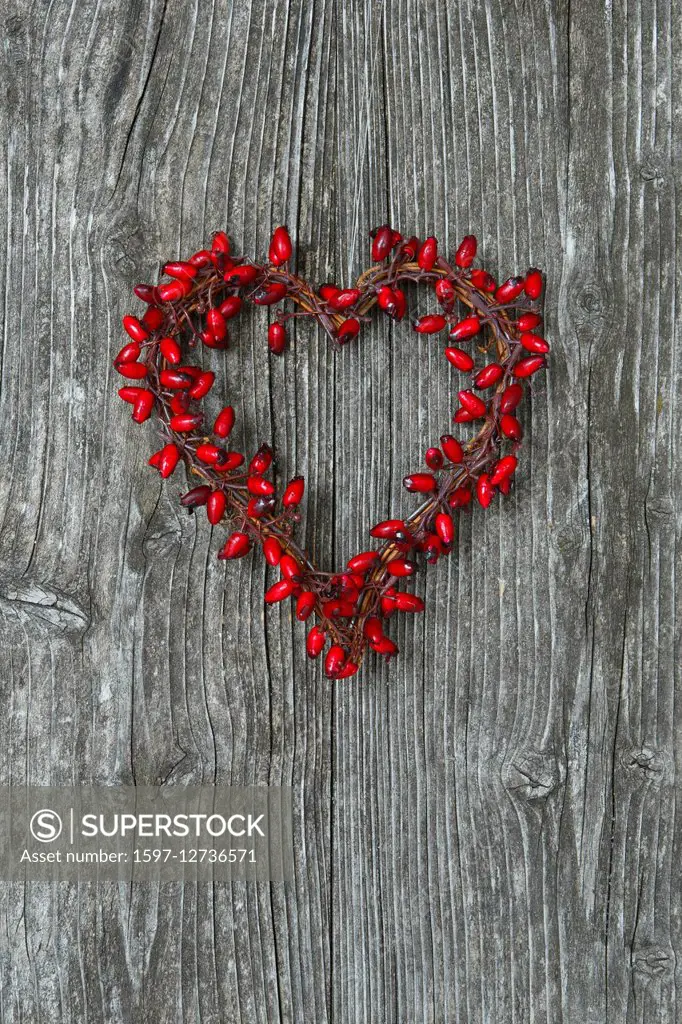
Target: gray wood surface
x: 488, y: 829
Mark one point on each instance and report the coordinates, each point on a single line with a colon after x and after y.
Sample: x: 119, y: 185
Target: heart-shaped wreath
x: 195, y: 303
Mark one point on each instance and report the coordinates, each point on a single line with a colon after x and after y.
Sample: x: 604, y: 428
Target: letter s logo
x: 45, y: 825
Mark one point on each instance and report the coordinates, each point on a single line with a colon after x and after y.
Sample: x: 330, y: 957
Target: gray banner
x: 146, y: 833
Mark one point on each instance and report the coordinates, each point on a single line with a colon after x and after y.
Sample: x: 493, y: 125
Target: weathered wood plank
x: 486, y: 828
x: 135, y: 132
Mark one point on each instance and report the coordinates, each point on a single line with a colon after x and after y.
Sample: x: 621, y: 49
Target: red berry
x: 510, y: 290
x: 460, y: 359
x: 130, y: 394
x: 390, y: 529
x: 220, y: 243
x: 342, y: 608
x: 534, y: 343
x: 373, y: 629
x: 173, y: 291
x: 345, y: 298
x: 153, y: 318
x: 262, y: 460
x: 145, y: 292
x: 445, y: 292
x: 229, y: 461
x: 215, y: 322
x: 400, y: 567
x: 386, y: 300
x: 305, y: 605
x: 270, y: 293
x: 272, y: 549
x: 511, y: 427
x: 429, y: 324
x: 533, y: 283
x: 466, y: 328
x: 335, y: 660
x: 386, y: 647
x: 526, y: 367
x: 179, y: 402
x: 224, y: 421
x: 258, y: 486
x: 483, y: 280
x: 504, y: 469
x: 170, y: 350
x: 409, y: 248
x: 348, y: 330
x: 463, y: 416
x: 488, y: 376
x: 134, y: 328
x: 231, y: 306
x: 460, y: 498
x: 362, y: 562
x: 203, y: 258
x: 142, y: 409
x: 485, y: 492
x: 133, y: 371
x: 511, y: 396
x: 428, y: 253
x: 433, y: 548
x: 434, y: 458
x: 280, y: 247
x: 452, y: 449
x: 186, y: 422
x: 175, y: 379
x: 382, y: 243
x: 215, y: 507
x: 242, y: 275
x: 472, y: 404
x: 348, y: 670
x: 290, y: 569
x: 408, y: 602
x: 277, y: 338
x: 180, y: 270
x: 528, y: 322
x: 392, y: 301
x: 196, y: 497
x: 400, y: 304
x: 210, y: 453
x: 315, y: 641
x: 445, y: 528
x: 294, y: 492
x: 130, y: 353
x: 202, y: 384
x: 420, y: 482
x: 466, y: 253
x: 165, y: 460
x: 328, y: 291
x: 258, y: 507
x: 279, y: 591
x: 210, y: 340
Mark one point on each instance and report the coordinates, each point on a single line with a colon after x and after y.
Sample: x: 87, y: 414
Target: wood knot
x: 654, y: 169
x: 532, y: 774
x: 645, y: 764
x: 590, y: 306
x: 653, y: 962
x: 660, y: 506
x: 40, y: 608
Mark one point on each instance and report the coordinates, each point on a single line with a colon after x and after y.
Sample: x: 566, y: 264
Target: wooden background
x: 487, y: 830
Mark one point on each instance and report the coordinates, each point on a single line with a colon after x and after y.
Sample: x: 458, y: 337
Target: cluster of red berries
x: 194, y: 304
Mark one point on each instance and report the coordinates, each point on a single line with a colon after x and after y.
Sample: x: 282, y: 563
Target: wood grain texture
x: 486, y: 829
